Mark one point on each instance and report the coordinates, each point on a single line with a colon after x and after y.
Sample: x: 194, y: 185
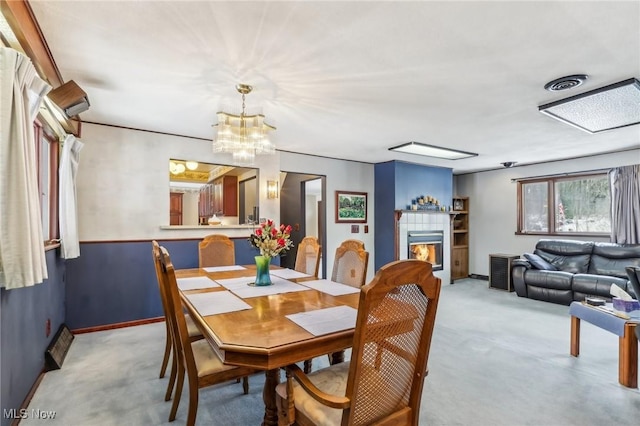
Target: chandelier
x: 244, y: 136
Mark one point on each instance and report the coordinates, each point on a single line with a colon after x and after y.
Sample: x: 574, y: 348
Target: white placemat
x: 195, y: 283
x: 330, y: 287
x: 325, y: 321
x: 224, y: 268
x: 216, y: 302
x: 279, y: 286
x: 288, y: 273
x: 235, y: 283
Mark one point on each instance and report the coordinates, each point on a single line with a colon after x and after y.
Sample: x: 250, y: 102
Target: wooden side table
x: 625, y: 328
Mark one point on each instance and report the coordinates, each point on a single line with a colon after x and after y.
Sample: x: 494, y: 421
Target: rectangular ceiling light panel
x: 606, y: 108
x: 432, y: 151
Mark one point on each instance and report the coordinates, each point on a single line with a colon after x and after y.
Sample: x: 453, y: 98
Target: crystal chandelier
x: 242, y: 135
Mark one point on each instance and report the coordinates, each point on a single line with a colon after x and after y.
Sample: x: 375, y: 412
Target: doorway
x: 302, y: 205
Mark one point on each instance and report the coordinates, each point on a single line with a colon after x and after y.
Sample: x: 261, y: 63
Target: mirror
x: 198, y: 191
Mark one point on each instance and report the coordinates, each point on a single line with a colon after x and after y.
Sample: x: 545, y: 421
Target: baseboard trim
x: 117, y: 325
x: 27, y: 399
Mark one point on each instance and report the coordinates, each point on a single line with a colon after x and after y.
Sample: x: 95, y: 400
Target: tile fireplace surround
x: 427, y: 221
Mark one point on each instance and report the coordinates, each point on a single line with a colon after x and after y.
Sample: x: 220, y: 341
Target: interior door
x: 175, y: 208
x: 294, y: 211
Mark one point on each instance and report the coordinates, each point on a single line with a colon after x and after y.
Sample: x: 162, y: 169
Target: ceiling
x: 349, y: 80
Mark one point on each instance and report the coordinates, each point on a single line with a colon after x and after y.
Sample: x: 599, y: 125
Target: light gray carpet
x: 496, y: 359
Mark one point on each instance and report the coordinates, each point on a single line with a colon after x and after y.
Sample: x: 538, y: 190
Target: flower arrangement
x: 270, y: 239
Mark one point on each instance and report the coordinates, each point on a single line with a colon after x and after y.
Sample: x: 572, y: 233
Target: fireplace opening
x: 427, y: 246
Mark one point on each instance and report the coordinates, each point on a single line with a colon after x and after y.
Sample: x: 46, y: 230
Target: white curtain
x: 68, y: 198
x: 22, y: 260
x: 625, y: 204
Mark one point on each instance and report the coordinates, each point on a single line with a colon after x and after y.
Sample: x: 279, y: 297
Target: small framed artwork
x: 351, y: 207
x: 458, y: 204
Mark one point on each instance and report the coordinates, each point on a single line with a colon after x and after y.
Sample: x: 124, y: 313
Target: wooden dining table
x: 263, y: 337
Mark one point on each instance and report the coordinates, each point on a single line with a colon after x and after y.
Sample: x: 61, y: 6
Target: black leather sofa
x: 563, y: 271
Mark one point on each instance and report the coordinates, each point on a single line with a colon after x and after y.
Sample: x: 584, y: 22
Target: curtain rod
x: 584, y: 172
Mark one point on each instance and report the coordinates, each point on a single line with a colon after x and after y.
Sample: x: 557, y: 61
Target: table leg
x: 575, y: 336
x: 628, y: 357
x: 272, y: 379
x: 336, y: 357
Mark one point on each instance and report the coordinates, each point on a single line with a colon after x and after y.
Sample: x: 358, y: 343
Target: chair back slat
x: 396, y: 316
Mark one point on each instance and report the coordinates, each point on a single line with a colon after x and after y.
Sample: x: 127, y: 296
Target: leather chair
x: 216, y: 250
x: 383, y: 382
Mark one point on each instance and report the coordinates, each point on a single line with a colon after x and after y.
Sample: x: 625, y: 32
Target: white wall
x: 123, y: 183
x: 493, y: 204
x: 123, y: 186
x: 340, y: 175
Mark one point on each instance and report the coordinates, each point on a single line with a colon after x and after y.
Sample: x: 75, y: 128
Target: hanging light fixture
x: 244, y: 136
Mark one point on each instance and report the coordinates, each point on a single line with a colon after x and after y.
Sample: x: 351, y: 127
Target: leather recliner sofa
x: 563, y: 271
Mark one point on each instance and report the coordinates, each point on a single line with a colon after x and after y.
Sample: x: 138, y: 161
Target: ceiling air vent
x: 564, y: 83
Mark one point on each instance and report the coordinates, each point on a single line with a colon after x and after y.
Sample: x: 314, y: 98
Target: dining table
x: 297, y: 318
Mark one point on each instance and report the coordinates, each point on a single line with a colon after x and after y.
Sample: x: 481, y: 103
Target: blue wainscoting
x: 23, y: 317
x: 115, y: 282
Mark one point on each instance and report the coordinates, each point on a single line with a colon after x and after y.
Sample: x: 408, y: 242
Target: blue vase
x: 262, y: 271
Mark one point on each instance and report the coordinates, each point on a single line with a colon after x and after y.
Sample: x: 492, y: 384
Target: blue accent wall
x: 396, y: 184
x: 23, y: 316
x: 115, y: 282
x: 384, y: 204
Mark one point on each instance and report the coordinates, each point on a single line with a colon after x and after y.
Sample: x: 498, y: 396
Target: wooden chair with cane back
x: 197, y: 360
x: 383, y: 382
x: 350, y: 263
x: 192, y: 329
x: 216, y: 250
x: 308, y: 256
x: 350, y: 268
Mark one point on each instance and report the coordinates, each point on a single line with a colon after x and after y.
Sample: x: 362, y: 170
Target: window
x: 575, y: 205
x: 47, y: 152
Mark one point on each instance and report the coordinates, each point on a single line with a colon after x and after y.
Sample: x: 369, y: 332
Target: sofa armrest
x: 518, y: 268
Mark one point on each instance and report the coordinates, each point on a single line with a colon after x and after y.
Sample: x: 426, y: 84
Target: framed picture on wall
x: 351, y: 207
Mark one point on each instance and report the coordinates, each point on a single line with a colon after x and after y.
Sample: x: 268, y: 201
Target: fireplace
x: 427, y: 246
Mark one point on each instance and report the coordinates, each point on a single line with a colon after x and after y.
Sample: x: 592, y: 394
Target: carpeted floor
x: 496, y: 359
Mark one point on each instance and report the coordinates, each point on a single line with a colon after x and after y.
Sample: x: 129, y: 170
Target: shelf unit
x: 460, y: 238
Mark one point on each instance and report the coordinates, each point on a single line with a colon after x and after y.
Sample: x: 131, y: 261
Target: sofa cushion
x: 562, y: 297
x: 584, y: 285
x: 611, y: 259
x: 539, y: 263
x: 566, y: 255
x: 558, y: 280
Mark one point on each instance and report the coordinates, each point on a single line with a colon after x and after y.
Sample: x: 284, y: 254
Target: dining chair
x: 308, y: 256
x: 192, y: 329
x: 383, y: 382
x: 197, y: 360
x: 350, y: 263
x: 350, y: 268
x: 216, y: 250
